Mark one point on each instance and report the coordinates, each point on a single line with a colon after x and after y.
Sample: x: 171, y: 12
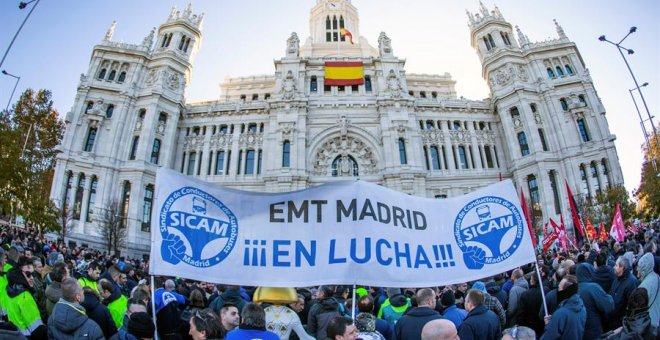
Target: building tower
x: 553, y: 121
x: 122, y: 126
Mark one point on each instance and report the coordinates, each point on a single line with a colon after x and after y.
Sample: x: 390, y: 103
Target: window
x: 155, y: 151
x: 488, y: 47
x: 555, y: 191
x: 162, y: 118
x: 223, y: 128
x: 534, y: 196
x: 402, y: 151
x: 505, y: 38
x: 327, y: 89
x: 341, y: 88
x: 462, y: 157
x: 240, y: 160
x: 228, y: 162
x: 109, y: 111
x: 441, y: 196
x: 582, y: 100
x: 532, y: 107
x: 542, y: 137
x: 67, y: 189
x: 134, y: 148
x: 422, y: 94
x: 90, y: 105
x: 514, y: 112
x: 185, y: 47
x: 125, y: 201
x: 435, y: 158
x: 522, y: 141
x: 457, y: 125
x: 560, y: 73
x: 146, y: 207
x: 585, y: 185
x: 344, y: 165
x: 594, y: 175
x: 102, y: 74
x: 551, y: 73
x: 489, y: 157
x: 426, y: 157
x: 91, y: 137
x: 582, y: 127
x: 219, y: 162
x: 243, y: 97
x: 490, y: 39
x: 249, y: 162
x: 122, y: 77
x: 568, y: 69
x: 77, y: 203
x: 252, y: 127
x: 91, y: 199
x: 313, y: 85
x: 429, y: 125
x: 191, y: 163
x: 354, y: 89
x: 267, y: 96
x: 112, y: 75
x: 286, y: 154
x: 367, y: 83
x: 564, y: 104
x: 255, y: 97
x: 182, y: 42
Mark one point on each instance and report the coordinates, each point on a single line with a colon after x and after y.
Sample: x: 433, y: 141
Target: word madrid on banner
x: 341, y: 233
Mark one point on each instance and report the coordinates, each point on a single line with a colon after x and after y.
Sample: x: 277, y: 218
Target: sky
x: 242, y: 38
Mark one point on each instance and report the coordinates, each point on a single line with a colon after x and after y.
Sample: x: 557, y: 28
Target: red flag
x: 548, y: 240
x: 591, y: 231
x: 561, y: 233
x: 577, y: 223
x: 528, y: 218
x: 617, y: 231
x: 603, y: 234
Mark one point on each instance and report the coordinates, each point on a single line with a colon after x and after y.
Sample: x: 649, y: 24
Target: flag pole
x: 538, y: 273
x: 153, y: 307
x: 353, y: 304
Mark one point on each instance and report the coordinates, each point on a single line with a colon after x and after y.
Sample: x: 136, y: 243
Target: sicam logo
x: 197, y: 228
x: 488, y: 230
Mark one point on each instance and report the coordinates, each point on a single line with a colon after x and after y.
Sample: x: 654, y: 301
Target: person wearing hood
x: 651, y: 281
x: 98, y: 312
x: 568, y: 321
x: 116, y: 302
x: 322, y: 312
x: 637, y: 322
x: 621, y: 288
x: 412, y: 322
x: 481, y: 322
x: 597, y: 303
x: 394, y: 307
x: 604, y: 274
x: 54, y: 290
x: 520, y: 285
x: 495, y: 289
x: 69, y: 320
x: 231, y: 295
x: 22, y: 309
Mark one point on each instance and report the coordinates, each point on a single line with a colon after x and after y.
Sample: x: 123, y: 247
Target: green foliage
x: 648, y: 192
x: 602, y: 207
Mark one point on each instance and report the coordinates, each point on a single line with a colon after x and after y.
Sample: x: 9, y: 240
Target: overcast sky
x: 244, y: 37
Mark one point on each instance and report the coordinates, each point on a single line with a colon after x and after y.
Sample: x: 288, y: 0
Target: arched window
x: 112, y: 75
x: 489, y: 157
x: 286, y: 154
x: 109, y: 110
x: 182, y: 42
x: 402, y: 151
x: 551, y: 73
x: 77, y: 203
x: 102, y: 73
x: 313, y: 85
x: 91, y: 199
x: 429, y: 125
x: 249, y: 162
x: 422, y: 94
x: 569, y: 70
x: 147, y: 206
x: 134, y: 147
x: 582, y: 99
x: 560, y: 73
x: 564, y: 104
x: 91, y: 137
x: 162, y: 118
x: 582, y: 128
x: 155, y: 151
x: 457, y: 125
x: 522, y: 141
x: 185, y: 47
x: 125, y: 202
x: 367, y: 83
x: 462, y: 157
x: 532, y: 107
x: 344, y: 166
x: 122, y: 77
x: 90, y: 105
x: 490, y: 39
x: 514, y: 112
x: 487, y: 43
x: 505, y: 38
x: 435, y: 157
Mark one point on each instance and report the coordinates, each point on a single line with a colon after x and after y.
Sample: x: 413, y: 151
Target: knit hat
x: 645, y: 264
x: 479, y: 286
x: 393, y: 291
x: 447, y: 298
x: 141, y: 326
x: 365, y: 322
x: 361, y: 292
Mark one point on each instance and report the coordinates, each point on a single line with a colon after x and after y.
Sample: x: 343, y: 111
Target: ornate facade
x: 543, y: 123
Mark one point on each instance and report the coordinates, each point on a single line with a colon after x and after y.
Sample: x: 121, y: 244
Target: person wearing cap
x: 451, y: 312
x: 22, y: 309
x: 69, y: 319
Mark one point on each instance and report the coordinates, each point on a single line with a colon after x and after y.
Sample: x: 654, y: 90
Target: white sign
x: 349, y: 232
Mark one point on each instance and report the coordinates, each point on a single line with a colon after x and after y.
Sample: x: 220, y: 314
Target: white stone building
x: 543, y: 123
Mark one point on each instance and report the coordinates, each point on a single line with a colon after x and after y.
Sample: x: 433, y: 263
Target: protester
x: 22, y: 309
x: 637, y: 321
x: 91, y: 276
x: 112, y: 298
x: 322, y: 312
x: 651, y: 282
x: 54, y: 290
x: 597, y: 303
x: 481, y: 322
x: 229, y: 317
x: 253, y: 325
x: 168, y: 315
x: 205, y: 324
x: 69, y: 320
x: 141, y: 326
x: 568, y: 321
x: 621, y: 289
x: 411, y: 323
x: 341, y: 328
x: 450, y: 311
x: 531, y: 301
x: 394, y: 306
x: 520, y: 285
x: 98, y: 312
x: 518, y: 333
x: 491, y: 303
x: 439, y: 329
x: 366, y: 306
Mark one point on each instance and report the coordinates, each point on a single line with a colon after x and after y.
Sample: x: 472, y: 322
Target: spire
x: 522, y: 38
x: 497, y: 13
x: 149, y: 39
x: 560, y: 30
x: 186, y: 15
x: 470, y: 17
x: 110, y: 32
x: 484, y: 10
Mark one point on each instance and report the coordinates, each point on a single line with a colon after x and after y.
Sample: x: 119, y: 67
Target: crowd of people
x: 50, y: 291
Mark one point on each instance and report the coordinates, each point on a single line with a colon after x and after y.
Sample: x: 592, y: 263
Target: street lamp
x: 637, y: 86
x: 12, y: 91
x: 641, y: 122
x: 20, y: 6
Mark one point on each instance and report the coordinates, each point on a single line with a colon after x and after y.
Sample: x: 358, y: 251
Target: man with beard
x: 22, y: 309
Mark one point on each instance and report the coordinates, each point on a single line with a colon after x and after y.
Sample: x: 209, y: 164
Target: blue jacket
x: 567, y: 321
x: 411, y: 323
x: 604, y: 276
x: 455, y: 315
x: 620, y: 291
x: 597, y: 303
x: 481, y: 323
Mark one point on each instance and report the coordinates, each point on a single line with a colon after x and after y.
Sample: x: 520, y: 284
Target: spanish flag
x: 344, y: 32
x: 344, y: 73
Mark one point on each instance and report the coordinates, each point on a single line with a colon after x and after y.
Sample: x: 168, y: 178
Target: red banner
x: 528, y: 218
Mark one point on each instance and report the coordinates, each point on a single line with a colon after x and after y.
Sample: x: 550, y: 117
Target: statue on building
x: 522, y: 38
x: 393, y: 85
x: 110, y: 32
x: 288, y: 86
x: 385, y: 45
x: 292, y: 45
x: 98, y: 107
x: 343, y: 125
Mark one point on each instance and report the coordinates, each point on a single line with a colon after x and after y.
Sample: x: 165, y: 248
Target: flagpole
x: 538, y: 273
x: 153, y: 307
x: 353, y: 304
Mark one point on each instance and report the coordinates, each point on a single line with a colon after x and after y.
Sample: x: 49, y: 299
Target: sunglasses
x: 27, y: 273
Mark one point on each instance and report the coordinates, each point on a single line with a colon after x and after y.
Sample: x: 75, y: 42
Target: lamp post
x: 641, y: 122
x: 12, y: 91
x: 20, y: 6
x: 637, y: 86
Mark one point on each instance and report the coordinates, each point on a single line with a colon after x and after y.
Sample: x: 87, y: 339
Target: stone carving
x: 459, y: 136
x: 343, y: 125
x: 139, y: 123
x: 560, y: 30
x: 522, y: 73
x: 401, y: 130
x: 385, y: 45
x: 344, y: 147
x: 173, y: 81
x: 251, y: 139
x: 537, y: 118
x: 110, y: 32
x: 485, y: 136
x: 160, y: 128
x: 288, y: 86
x: 292, y: 45
x: 502, y: 77
x: 394, y: 85
x: 83, y: 78
x: 287, y: 130
x: 432, y: 137
x: 152, y: 78
x: 193, y: 142
x: 149, y: 39
x: 98, y: 108
x: 221, y: 141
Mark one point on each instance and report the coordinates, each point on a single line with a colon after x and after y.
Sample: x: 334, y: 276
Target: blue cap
x: 479, y: 286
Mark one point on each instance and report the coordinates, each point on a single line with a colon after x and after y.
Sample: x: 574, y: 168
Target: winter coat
x: 519, y: 287
x: 22, y: 309
x: 597, y: 303
x: 320, y: 315
x: 53, y: 294
x: 117, y: 305
x: 495, y: 289
x: 620, y: 291
x: 480, y: 323
x: 455, y: 315
x: 634, y: 327
x: 100, y: 314
x: 604, y: 276
x: 167, y: 311
x: 410, y: 325
x: 528, y: 306
x: 494, y: 305
x: 567, y: 321
x: 232, y: 296
x: 69, y: 321
x: 650, y: 281
x: 393, y: 308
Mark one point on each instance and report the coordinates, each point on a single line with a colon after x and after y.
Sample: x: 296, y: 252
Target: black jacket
x: 620, y: 291
x: 100, y: 314
x: 232, y: 296
x: 530, y: 303
x: 411, y: 323
x: 320, y: 315
x: 604, y: 276
x: 481, y: 323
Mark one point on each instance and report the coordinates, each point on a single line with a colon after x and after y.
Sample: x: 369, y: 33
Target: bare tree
x: 64, y: 218
x: 112, y: 227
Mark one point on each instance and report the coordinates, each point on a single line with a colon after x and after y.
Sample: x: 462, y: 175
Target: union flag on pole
x: 591, y: 231
x: 577, y: 223
x: 561, y: 234
x: 548, y: 238
x: 528, y: 218
x: 618, y: 231
x: 603, y: 234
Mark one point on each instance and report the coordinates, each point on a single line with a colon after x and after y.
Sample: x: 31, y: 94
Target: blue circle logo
x: 488, y: 230
x: 196, y: 228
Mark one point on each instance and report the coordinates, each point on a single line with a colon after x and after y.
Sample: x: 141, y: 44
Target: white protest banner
x: 338, y: 233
